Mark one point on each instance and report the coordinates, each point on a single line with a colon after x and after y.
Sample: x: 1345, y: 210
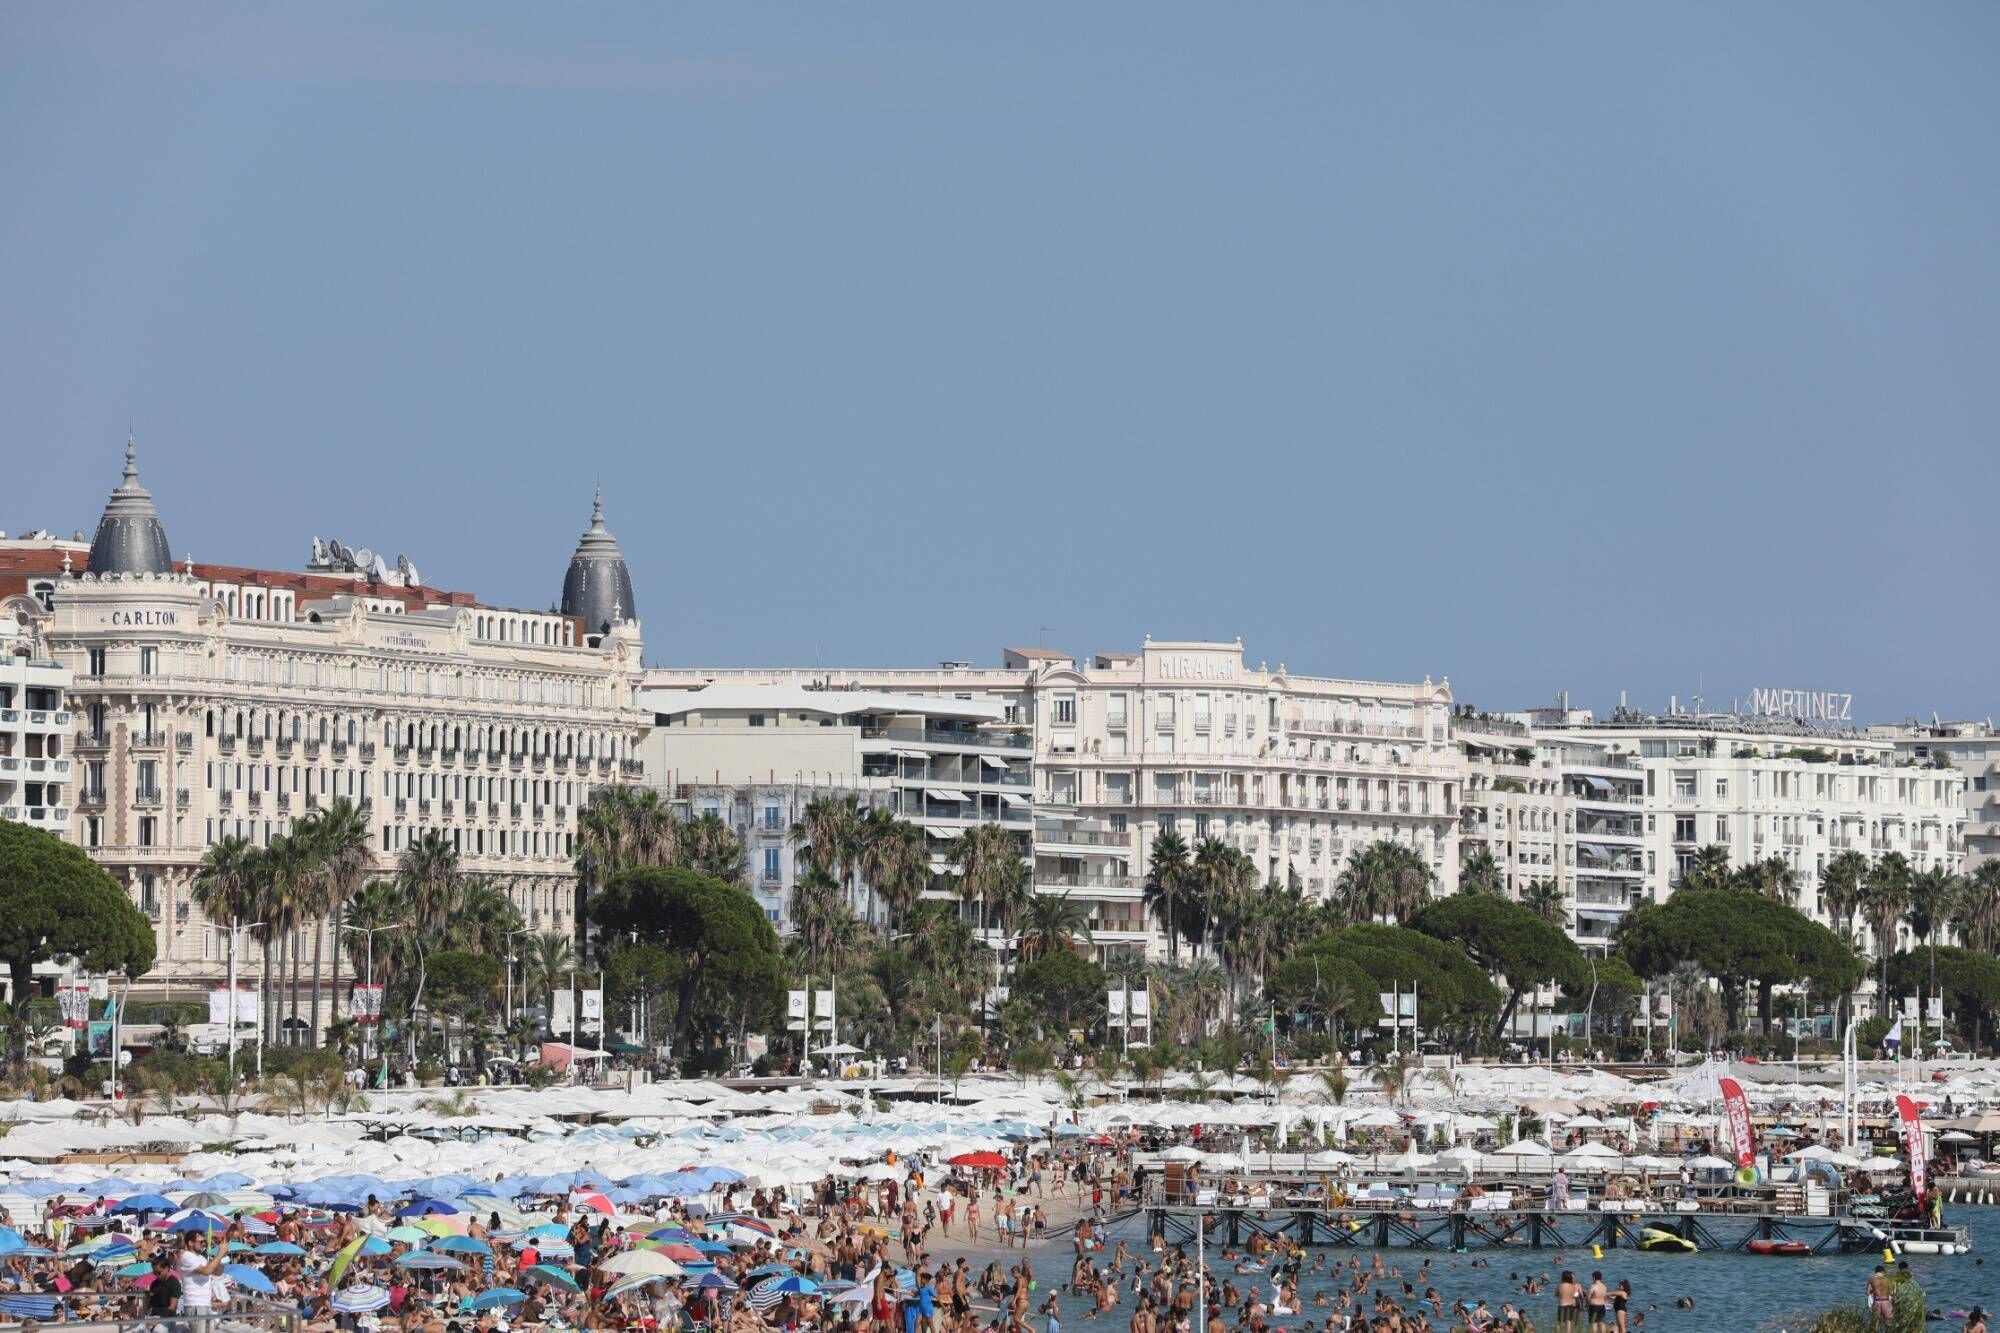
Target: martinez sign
x: 1813, y: 705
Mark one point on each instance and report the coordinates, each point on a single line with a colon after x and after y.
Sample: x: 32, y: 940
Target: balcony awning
x: 1595, y: 849
x: 1599, y: 910
x: 1011, y: 799
x: 910, y: 754
x: 991, y: 762
x: 944, y: 794
x: 1596, y: 784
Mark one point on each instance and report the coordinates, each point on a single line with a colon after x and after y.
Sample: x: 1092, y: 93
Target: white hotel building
x: 754, y: 755
x: 215, y: 700
x: 36, y: 778
x: 1568, y: 812
x: 1973, y: 748
x: 1773, y: 787
x: 1298, y: 772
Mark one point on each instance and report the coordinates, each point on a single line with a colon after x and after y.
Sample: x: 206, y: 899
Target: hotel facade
x: 209, y: 701
x: 1764, y: 787
x: 1298, y: 772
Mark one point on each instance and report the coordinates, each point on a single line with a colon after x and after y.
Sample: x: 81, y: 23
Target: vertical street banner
x: 1738, y: 1111
x: 1114, y: 1005
x: 74, y: 1001
x: 795, y: 1011
x: 1913, y: 1143
x: 562, y: 1014
x: 823, y: 1010
x: 365, y: 1005
x: 593, y: 1011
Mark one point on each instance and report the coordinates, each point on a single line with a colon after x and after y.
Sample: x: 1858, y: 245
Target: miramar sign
x: 1811, y: 705
x: 1194, y: 666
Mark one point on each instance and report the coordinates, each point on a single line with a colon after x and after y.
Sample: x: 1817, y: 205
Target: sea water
x: 1733, y: 1292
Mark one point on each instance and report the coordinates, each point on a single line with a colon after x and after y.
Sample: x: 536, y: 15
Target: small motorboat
x: 1664, y: 1242
x: 1778, y: 1247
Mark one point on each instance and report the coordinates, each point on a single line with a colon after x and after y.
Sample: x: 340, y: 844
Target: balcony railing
x: 225, y: 744
x: 149, y: 740
x: 146, y: 796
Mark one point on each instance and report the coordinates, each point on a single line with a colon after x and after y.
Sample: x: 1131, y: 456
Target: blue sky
x: 1541, y: 346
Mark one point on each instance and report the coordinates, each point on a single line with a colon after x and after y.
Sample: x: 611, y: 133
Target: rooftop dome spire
x: 598, y: 588
x: 130, y: 538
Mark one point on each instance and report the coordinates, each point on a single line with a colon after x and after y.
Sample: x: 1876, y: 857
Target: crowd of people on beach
x: 926, y: 1247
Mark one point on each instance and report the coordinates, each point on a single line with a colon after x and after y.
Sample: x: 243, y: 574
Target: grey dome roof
x: 129, y: 537
x: 598, y: 588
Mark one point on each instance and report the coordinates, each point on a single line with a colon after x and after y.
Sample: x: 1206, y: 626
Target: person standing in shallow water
x: 1567, y: 1295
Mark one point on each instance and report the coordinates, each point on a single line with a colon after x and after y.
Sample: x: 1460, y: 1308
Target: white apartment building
x: 216, y: 700
x: 36, y: 781
x: 1298, y: 772
x: 756, y: 754
x: 1567, y: 812
x: 1973, y: 748
x: 1774, y: 787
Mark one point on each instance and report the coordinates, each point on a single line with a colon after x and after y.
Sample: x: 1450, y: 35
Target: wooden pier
x: 1462, y: 1229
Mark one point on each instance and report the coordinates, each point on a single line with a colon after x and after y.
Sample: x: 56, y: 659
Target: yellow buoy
x: 1888, y: 1255
x: 1597, y: 1251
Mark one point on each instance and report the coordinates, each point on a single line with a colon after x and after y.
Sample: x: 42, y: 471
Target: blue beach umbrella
x: 281, y: 1247
x: 554, y: 1276
x: 243, y: 1275
x: 494, y: 1298
x: 144, y: 1203
x: 461, y: 1245
x: 425, y: 1259
x: 426, y: 1207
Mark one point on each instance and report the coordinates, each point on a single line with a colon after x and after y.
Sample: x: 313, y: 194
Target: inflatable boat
x: 1664, y: 1242
x: 1778, y: 1247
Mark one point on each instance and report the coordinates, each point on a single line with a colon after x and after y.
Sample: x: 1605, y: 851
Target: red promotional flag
x: 1739, y: 1120
x: 1913, y: 1143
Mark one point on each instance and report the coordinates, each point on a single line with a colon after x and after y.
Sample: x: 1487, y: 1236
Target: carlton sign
x: 1811, y: 705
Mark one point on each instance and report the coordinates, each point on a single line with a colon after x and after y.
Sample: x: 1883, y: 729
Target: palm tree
x: 1203, y: 987
x: 428, y: 872
x: 547, y: 960
x: 282, y: 894
x: 1053, y: 921
x: 817, y: 902
x: 828, y: 833
x: 1544, y: 897
x: 1480, y: 873
x: 1933, y: 899
x: 225, y: 883
x: 484, y: 919
x: 378, y: 905
x: 1885, y: 896
x: 1841, y: 884
x: 1977, y: 918
x: 1386, y: 880
x: 1708, y: 868
x: 901, y: 867
x: 987, y: 860
x: 1169, y: 881
x: 1333, y: 1085
x: 708, y: 845
x: 1771, y: 877
x: 346, y: 851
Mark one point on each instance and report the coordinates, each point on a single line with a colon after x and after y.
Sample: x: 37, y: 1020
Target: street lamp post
x: 233, y: 927
x: 508, y: 960
x: 368, y: 977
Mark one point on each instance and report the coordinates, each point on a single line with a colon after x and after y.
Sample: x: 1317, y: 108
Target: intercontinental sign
x: 1809, y: 705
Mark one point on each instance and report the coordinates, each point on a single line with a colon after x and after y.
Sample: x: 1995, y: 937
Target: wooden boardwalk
x: 1522, y: 1228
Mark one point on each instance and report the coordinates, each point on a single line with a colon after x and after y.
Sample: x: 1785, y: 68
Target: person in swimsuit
x: 1880, y: 1302
x: 1567, y: 1293
x: 1598, y: 1299
x: 1620, y: 1299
